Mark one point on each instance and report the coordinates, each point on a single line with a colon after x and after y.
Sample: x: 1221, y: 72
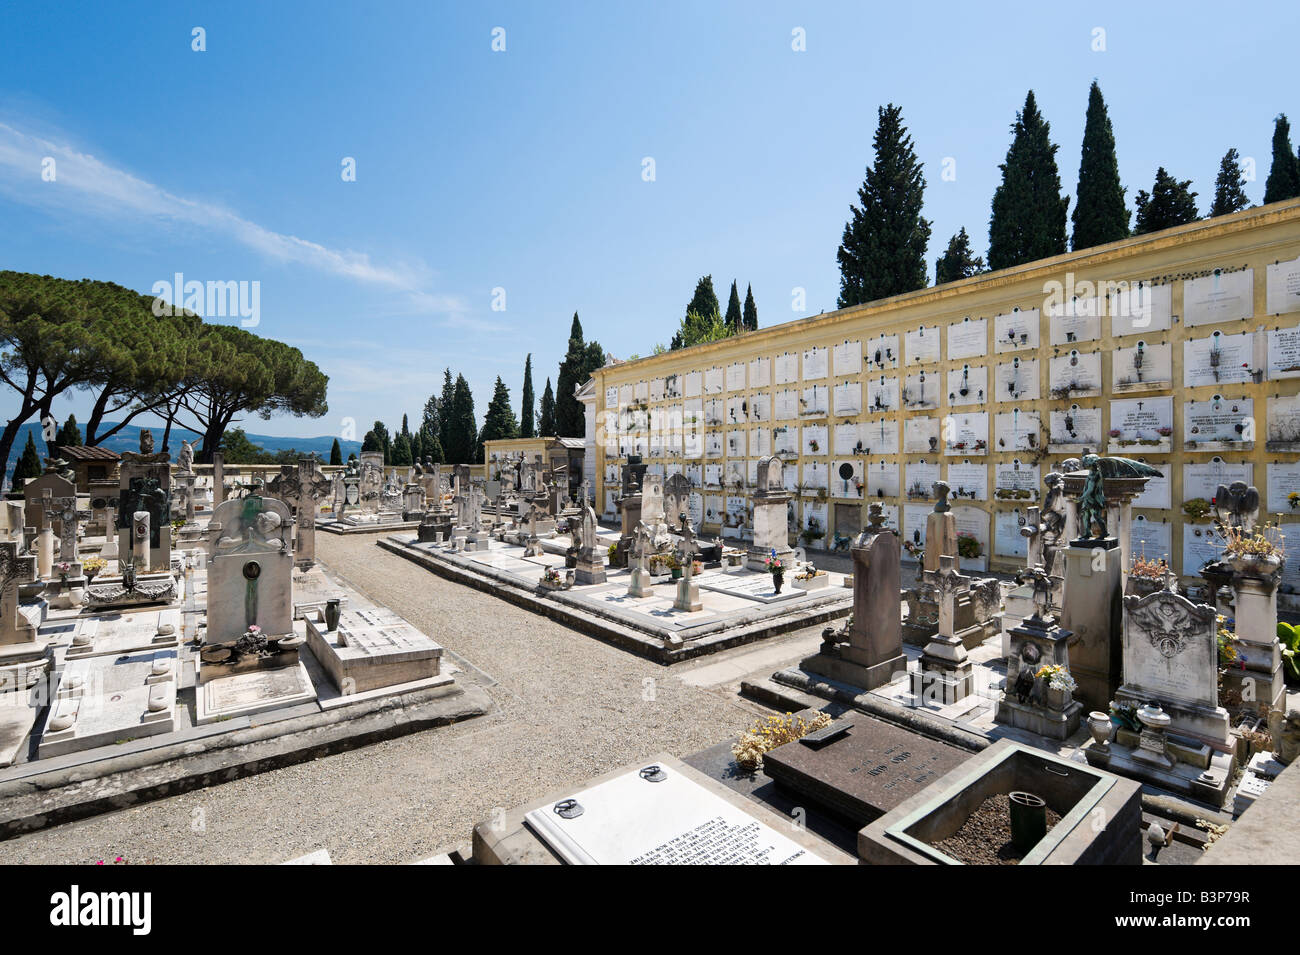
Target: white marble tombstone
x: 250, y: 569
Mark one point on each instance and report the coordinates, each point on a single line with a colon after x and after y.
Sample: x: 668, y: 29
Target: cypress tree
x: 958, y: 262
x: 69, y: 435
x: 751, y: 310
x: 574, y: 371
x: 499, y: 420
x: 703, y: 302
x: 527, y: 421
x: 1100, y: 215
x: 882, y: 252
x: 463, y: 447
x: 1169, y: 203
x: 28, y: 465
x: 1229, y: 196
x: 445, y: 413
x: 1284, y: 173
x: 336, y: 453
x: 401, y: 451
x: 1028, y: 216
x: 546, y: 417
x: 734, y: 320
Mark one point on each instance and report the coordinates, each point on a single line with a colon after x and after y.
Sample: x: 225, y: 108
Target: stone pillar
x: 45, y: 550
x: 940, y: 531
x: 218, y: 478
x: 688, y: 591
x: 1093, y: 612
x: 945, y: 674
x: 1256, y: 620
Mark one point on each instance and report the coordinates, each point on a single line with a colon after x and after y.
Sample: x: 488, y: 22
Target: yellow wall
x: 1252, y: 239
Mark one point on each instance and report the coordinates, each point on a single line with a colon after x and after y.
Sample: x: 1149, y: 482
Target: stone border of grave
x: 341, y: 529
x: 718, y: 633
x: 63, y: 789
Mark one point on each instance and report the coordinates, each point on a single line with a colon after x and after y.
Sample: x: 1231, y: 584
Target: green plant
x: 1196, y: 508
x: 969, y: 547
x: 1289, y: 637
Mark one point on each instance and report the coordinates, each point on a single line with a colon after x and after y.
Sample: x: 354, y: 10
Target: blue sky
x: 522, y: 169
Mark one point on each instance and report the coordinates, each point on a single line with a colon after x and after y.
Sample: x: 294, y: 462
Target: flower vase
x: 777, y: 581
x: 1100, y: 726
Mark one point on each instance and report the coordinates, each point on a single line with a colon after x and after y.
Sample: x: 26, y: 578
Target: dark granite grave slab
x: 863, y: 772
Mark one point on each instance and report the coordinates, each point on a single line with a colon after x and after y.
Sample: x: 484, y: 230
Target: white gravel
x: 571, y: 708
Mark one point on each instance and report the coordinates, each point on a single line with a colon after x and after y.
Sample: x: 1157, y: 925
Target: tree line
x: 448, y: 434
x: 61, y: 336
x: 883, y: 246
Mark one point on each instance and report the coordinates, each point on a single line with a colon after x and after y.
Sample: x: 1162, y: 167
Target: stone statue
x: 1285, y: 731
x: 1237, y: 505
x: 146, y: 441
x: 1092, y: 503
x: 185, y: 457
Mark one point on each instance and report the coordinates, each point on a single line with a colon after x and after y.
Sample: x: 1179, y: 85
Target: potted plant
x: 1147, y: 576
x: 674, y: 567
x: 1254, y: 555
x: 776, y: 569
x: 93, y: 566
x: 1060, y: 685
x: 1196, y: 508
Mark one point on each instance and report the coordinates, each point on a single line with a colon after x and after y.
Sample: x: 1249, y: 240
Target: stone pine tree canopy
x: 61, y: 335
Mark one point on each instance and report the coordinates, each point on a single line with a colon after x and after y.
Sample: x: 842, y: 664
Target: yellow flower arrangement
x: 773, y: 731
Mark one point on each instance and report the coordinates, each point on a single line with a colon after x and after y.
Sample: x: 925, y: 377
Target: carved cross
x: 948, y: 583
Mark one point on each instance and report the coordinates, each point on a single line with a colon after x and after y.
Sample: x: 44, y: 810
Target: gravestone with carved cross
x: 946, y: 674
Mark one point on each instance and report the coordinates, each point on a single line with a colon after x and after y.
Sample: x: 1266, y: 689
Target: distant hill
x: 128, y: 439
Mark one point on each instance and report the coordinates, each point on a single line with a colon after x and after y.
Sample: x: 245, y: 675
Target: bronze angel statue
x: 1092, y: 503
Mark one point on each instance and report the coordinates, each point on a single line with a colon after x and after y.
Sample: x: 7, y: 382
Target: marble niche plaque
x: 882, y: 480
x: 816, y: 439
x: 1283, y: 480
x: 1017, y: 380
x: 1283, y: 353
x: 694, y: 383
x: 846, y: 358
x: 1150, y: 538
x: 659, y: 816
x: 713, y: 508
x: 1076, y: 427
x: 921, y: 477
x: 1202, y: 544
x: 1078, y: 320
x: 920, y: 434
x: 1283, y: 287
x: 816, y: 363
x: 846, y: 479
x: 1219, y: 359
x: 921, y: 390
x: 1141, y: 424
x: 882, y: 394
x: 1202, y: 480
x: 847, y: 398
x: 914, y: 518
x: 882, y: 352
x: 736, y: 376
x: 760, y: 372
x: 968, y: 385
x: 785, y: 368
x: 1220, y: 297
x: 966, y: 433
x: 1142, y: 367
x: 969, y: 480
x: 967, y: 339
x: 1139, y: 309
x: 1007, y: 539
x: 1284, y: 423
x: 881, y: 436
x: 1158, y: 492
x: 1016, y: 330
x: 973, y: 522
x: 760, y: 407
x: 1017, y: 430
x: 1016, y: 480
x: 816, y: 475
x: 847, y: 438
x: 1074, y: 374
x: 922, y: 345
x: 1220, y: 424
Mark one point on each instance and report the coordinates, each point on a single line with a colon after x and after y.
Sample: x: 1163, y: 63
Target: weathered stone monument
x: 590, y: 568
x: 1178, y: 735
x: 629, y: 504
x: 302, y: 487
x: 145, y: 485
x: 677, y: 499
x: 250, y: 570
x: 946, y: 674
x: 873, y: 653
x: 1039, y: 656
x: 771, y: 530
x: 688, y: 589
x: 641, y: 583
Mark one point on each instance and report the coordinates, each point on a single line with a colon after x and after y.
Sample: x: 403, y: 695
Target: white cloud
x: 87, y: 185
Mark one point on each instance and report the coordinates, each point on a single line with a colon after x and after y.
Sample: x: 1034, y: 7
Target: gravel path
x: 571, y: 708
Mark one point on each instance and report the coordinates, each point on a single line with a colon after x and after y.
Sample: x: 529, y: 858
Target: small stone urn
x: 1101, y: 727
x: 332, y: 614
